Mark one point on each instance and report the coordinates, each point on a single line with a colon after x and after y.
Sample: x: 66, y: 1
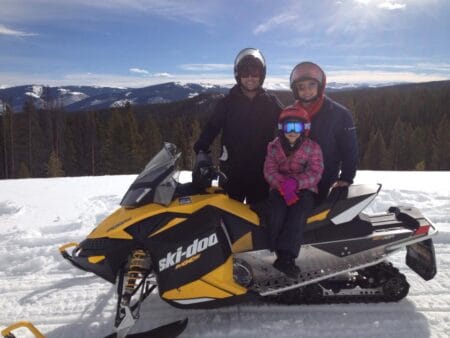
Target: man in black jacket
x: 247, y: 117
x: 332, y: 127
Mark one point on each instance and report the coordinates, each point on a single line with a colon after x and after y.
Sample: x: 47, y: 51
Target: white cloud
x: 109, y: 80
x: 281, y: 19
x: 163, y: 74
x: 375, y: 76
x: 205, y: 67
x: 38, y: 10
x: 146, y: 73
x: 12, y: 32
x: 139, y: 71
x: 383, y: 4
x: 390, y: 5
x: 273, y: 82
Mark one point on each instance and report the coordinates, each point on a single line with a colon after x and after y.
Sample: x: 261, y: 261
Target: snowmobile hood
x: 116, y: 225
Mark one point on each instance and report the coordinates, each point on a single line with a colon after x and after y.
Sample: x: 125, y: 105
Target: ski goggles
x: 293, y: 127
x: 253, y: 71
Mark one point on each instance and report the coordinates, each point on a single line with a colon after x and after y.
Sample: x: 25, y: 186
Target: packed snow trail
x: 38, y: 285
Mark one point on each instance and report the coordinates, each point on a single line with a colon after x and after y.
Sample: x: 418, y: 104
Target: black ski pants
x: 249, y: 189
x: 286, y: 222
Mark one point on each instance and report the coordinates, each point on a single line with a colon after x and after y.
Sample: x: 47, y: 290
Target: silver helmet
x: 249, y: 57
x: 307, y: 71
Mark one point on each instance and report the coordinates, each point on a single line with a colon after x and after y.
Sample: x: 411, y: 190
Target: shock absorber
x: 136, y: 270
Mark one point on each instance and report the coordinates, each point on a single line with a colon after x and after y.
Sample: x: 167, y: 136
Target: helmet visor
x: 246, y: 71
x: 293, y: 127
x: 307, y: 71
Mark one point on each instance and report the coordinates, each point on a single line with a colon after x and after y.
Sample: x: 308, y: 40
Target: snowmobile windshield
x: 157, y: 182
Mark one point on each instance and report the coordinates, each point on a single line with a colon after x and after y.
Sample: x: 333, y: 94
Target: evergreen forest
x: 403, y: 127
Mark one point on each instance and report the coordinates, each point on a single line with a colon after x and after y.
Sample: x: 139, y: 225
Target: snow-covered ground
x: 36, y: 284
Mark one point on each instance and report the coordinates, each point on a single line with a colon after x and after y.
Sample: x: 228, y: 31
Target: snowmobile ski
x: 7, y: 333
x: 170, y: 330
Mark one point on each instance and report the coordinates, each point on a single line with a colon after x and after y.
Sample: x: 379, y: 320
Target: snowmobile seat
x: 358, y: 227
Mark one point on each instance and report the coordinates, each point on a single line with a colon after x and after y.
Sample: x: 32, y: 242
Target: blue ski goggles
x: 293, y: 127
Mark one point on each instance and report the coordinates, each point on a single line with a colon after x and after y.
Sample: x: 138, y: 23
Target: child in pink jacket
x: 293, y: 168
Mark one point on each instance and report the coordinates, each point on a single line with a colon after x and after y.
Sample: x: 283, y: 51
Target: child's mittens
x: 288, y: 189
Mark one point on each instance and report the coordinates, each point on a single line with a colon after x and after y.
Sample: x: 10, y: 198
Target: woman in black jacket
x: 247, y: 117
x: 332, y: 127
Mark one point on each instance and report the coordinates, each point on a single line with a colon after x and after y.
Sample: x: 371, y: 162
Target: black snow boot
x: 286, y: 265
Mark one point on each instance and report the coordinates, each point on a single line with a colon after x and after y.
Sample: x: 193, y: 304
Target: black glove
x: 203, y: 160
x: 203, y: 172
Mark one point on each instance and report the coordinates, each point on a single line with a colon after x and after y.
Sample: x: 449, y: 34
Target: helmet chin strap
x: 311, y: 100
x: 249, y: 90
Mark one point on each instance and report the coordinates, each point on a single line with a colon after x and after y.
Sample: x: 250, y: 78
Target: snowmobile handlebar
x: 218, y: 174
x: 63, y: 249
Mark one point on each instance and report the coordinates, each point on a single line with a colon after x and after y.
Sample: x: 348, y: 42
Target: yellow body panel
x: 217, y: 284
x: 114, y: 226
x: 223, y: 278
x: 318, y: 217
x: 245, y: 243
x: 96, y: 259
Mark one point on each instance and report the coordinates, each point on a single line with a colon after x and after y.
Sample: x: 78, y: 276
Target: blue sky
x: 134, y: 43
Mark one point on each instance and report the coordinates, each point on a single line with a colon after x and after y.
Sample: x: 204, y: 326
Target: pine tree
x: 32, y: 133
x: 72, y: 148
x: 441, y: 146
x: 135, y: 142
x: 376, y: 156
x: 8, y: 141
x: 152, y: 139
x: 24, y: 172
x: 419, y: 144
x: 400, y: 146
x: 114, y: 151
x: 93, y: 140
x: 191, y: 139
x: 54, y: 166
x: 3, y: 142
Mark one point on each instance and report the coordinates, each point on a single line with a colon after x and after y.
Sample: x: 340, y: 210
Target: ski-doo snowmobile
x: 200, y: 249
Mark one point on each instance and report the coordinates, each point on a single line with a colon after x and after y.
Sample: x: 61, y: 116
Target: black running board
x: 170, y: 330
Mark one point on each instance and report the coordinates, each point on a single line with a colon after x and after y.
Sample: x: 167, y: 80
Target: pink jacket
x: 306, y: 165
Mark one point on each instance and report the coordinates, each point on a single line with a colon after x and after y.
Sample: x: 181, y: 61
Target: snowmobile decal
x: 197, y: 246
x: 352, y: 212
x: 115, y: 226
x: 96, y: 259
x: 170, y: 224
x: 184, y: 200
x: 318, y: 217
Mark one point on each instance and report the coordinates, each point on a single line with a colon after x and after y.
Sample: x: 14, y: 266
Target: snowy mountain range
x: 82, y: 98
x: 76, y: 98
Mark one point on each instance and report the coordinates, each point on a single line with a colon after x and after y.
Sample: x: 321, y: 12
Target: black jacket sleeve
x: 348, y: 145
x: 212, y: 128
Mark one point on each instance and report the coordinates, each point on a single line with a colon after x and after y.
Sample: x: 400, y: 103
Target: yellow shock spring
x: 137, y: 265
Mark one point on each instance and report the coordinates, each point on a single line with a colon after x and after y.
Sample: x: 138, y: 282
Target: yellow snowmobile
x: 198, y: 248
